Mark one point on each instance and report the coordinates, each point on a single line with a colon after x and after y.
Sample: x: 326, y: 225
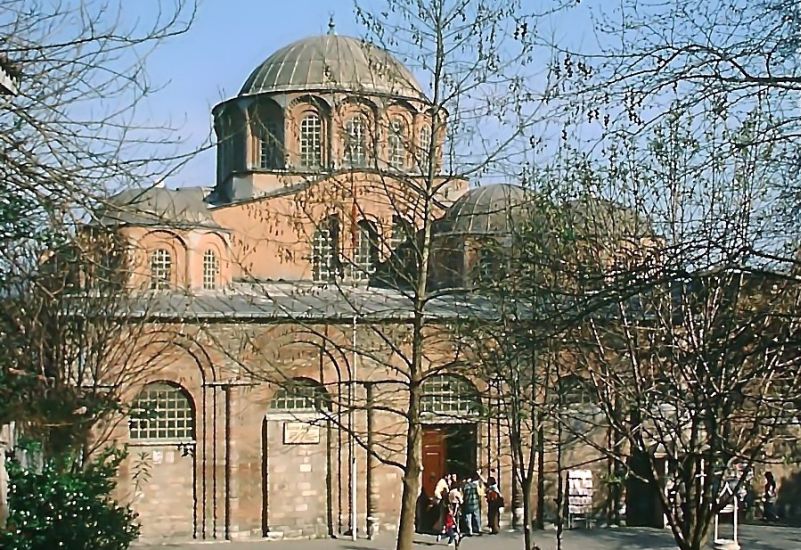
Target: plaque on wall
x: 301, y: 433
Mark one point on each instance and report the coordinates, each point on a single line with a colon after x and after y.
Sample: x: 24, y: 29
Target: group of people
x: 459, y: 505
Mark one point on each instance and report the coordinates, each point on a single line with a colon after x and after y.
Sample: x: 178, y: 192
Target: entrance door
x: 447, y: 449
x: 434, y: 458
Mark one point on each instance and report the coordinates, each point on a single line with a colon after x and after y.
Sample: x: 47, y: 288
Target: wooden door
x: 434, y: 457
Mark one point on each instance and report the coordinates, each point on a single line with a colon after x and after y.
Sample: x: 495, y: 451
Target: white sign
x: 301, y: 433
x: 579, y: 492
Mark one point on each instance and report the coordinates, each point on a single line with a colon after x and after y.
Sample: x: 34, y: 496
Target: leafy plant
x: 68, y: 508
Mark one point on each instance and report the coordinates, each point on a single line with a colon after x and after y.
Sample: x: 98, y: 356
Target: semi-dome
x: 487, y: 210
x: 158, y: 206
x: 333, y: 63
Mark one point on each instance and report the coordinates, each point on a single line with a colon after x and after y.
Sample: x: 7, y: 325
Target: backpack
x: 495, y: 498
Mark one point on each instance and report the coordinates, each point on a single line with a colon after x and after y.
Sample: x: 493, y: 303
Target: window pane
x: 397, y: 145
x: 325, y: 250
x: 365, y: 254
x: 154, y: 412
x: 211, y: 270
x: 451, y: 395
x: 160, y: 269
x: 300, y: 396
x: 310, y: 141
x: 356, y: 142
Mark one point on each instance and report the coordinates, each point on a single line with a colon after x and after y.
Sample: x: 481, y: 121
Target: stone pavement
x: 753, y: 537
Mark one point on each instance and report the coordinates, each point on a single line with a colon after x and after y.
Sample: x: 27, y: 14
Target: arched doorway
x: 295, y: 463
x: 450, y: 412
x: 162, y: 460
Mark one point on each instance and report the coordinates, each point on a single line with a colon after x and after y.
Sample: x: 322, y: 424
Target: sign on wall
x: 301, y: 433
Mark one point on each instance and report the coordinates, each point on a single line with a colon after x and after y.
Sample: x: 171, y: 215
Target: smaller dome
x: 158, y: 206
x: 601, y: 218
x: 487, y: 210
x: 333, y: 63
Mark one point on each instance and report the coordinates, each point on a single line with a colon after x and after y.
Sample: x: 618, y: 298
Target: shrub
x: 68, y: 508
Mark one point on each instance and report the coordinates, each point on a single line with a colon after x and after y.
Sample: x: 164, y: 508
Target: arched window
x: 300, y: 395
x: 230, y: 142
x: 450, y: 395
x: 425, y: 148
x: 356, y: 140
x: 271, y: 145
x: 396, y: 144
x: 162, y: 412
x: 574, y: 391
x: 211, y: 270
x: 325, y: 250
x: 160, y: 269
x: 311, y: 140
x: 365, y: 254
x: 402, y: 230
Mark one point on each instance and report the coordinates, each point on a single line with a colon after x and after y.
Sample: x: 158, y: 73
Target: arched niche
x: 267, y: 130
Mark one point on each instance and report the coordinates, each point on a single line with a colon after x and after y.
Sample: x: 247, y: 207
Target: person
x: 471, y: 508
x: 769, y: 512
x: 450, y: 524
x: 441, y: 491
x: 494, y: 505
x: 455, y: 497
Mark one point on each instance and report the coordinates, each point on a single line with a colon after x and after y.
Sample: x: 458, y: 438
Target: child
x: 450, y: 524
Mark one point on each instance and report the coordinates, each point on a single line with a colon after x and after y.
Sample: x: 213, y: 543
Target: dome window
x: 356, y: 142
x: 160, y: 269
x: 325, y: 250
x: 396, y: 142
x: 425, y: 149
x: 365, y: 253
x: 311, y: 134
x: 271, y: 139
x: 211, y: 270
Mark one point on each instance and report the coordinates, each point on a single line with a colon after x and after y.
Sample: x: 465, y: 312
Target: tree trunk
x: 528, y: 487
x: 411, y: 487
x: 540, y: 521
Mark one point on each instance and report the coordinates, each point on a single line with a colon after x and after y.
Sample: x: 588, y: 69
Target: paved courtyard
x: 753, y: 537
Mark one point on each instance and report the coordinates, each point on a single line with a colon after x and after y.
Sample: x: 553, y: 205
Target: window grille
x: 365, y: 255
x: 449, y: 395
x: 325, y: 250
x: 162, y: 412
x: 574, y: 391
x: 425, y: 148
x: 300, y: 396
x: 271, y: 145
x: 311, y: 133
x: 397, y: 147
x: 401, y: 232
x: 356, y: 144
x: 211, y: 270
x: 160, y: 269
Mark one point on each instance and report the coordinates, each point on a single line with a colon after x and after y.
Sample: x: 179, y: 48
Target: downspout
x: 351, y: 427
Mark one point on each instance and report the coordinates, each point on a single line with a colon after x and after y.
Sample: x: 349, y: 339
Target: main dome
x: 333, y: 63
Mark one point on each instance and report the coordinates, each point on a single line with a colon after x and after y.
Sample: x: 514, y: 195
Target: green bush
x: 71, y: 509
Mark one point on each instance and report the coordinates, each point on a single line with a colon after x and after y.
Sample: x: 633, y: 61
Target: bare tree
x: 79, y: 339
x: 680, y: 327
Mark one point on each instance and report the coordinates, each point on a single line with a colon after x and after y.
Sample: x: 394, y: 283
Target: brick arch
x: 175, y: 244
x: 267, y: 130
x: 298, y: 109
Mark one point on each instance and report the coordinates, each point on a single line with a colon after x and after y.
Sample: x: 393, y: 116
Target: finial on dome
x: 331, y: 25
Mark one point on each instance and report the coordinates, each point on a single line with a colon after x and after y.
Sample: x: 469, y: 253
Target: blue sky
x: 228, y: 39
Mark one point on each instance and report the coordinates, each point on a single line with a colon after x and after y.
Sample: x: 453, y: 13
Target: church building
x: 274, y: 408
